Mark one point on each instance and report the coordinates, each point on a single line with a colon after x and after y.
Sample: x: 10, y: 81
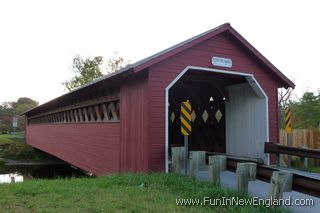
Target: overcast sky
x: 38, y: 39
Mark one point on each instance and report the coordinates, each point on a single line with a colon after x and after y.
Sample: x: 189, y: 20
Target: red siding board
x: 178, y: 49
x: 91, y: 147
x: 134, y: 124
x: 163, y: 73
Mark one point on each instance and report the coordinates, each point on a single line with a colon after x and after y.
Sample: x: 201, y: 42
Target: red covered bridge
x: 129, y: 120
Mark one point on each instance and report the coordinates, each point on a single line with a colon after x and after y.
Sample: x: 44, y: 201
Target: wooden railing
x: 303, y: 153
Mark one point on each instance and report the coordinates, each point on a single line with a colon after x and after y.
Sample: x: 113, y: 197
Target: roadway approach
x: 262, y: 189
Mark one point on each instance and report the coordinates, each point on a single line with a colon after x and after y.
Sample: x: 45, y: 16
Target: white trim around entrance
x: 249, y: 77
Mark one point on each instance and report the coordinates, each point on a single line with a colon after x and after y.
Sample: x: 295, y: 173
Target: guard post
x: 185, y: 118
x: 288, y: 130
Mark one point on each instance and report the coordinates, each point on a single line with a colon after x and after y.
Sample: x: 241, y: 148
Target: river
x: 17, y: 174
x: 11, y: 178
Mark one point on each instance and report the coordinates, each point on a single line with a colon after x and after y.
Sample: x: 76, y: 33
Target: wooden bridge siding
x: 134, y: 125
x: 164, y: 72
x: 91, y: 147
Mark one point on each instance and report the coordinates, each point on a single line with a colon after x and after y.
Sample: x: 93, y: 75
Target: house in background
x: 129, y: 120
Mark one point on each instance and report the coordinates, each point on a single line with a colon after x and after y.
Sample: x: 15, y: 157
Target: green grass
x: 5, y: 139
x: 313, y: 169
x: 296, y: 163
x: 13, y: 147
x: 116, y: 193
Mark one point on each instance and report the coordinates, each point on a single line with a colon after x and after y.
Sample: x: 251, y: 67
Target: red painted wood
x: 134, y: 125
x: 164, y: 73
x: 223, y: 30
x: 180, y: 48
x: 91, y: 147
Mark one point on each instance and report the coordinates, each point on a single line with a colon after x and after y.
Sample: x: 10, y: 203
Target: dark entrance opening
x: 207, y: 94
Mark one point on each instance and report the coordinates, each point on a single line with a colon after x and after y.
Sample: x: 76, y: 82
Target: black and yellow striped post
x: 288, y: 129
x: 185, y: 118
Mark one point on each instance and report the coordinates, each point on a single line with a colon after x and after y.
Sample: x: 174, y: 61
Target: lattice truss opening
x: 95, y: 109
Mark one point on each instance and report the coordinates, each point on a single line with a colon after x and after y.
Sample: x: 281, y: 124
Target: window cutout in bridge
x: 110, y: 115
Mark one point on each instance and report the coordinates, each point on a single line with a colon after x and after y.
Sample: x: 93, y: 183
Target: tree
x: 116, y: 63
x: 86, y: 70
x: 284, y: 99
x: 8, y: 110
x: 89, y: 69
x: 23, y: 104
x: 306, y: 111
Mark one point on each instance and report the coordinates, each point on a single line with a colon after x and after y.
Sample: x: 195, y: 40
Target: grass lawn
x: 13, y: 147
x: 5, y: 139
x: 116, y: 193
x: 310, y: 168
x: 313, y: 169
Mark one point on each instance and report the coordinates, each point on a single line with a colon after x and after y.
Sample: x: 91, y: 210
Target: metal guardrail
x: 303, y: 153
x: 300, y: 183
x: 281, y: 149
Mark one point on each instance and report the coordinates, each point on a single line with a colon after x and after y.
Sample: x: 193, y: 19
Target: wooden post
x: 80, y: 115
x: 245, y: 172
x: 72, y: 116
x: 91, y: 116
x: 75, y: 113
x: 56, y: 118
x: 197, y: 159
x: 281, y: 181
x: 303, y: 163
x: 289, y: 144
x: 85, y: 112
x: 69, y: 116
x: 105, y: 112
x: 177, y: 159
x: 282, y: 162
x: 217, y: 164
x: 277, y: 159
x: 97, y: 111
x: 304, y: 160
x: 311, y: 145
x: 64, y: 117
